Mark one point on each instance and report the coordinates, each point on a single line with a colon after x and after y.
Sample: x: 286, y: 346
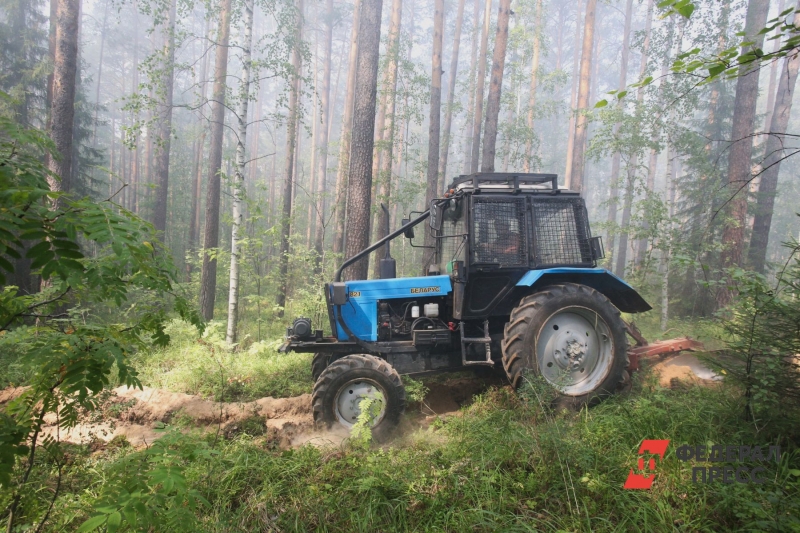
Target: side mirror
x: 596, y: 244
x: 437, y: 210
x: 409, y: 233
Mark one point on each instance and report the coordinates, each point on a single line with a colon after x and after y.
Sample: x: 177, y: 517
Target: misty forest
x: 181, y: 179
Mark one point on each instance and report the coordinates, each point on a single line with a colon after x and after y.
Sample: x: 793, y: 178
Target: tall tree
x: 208, y: 278
x: 477, y: 118
x: 342, y: 177
x: 573, y: 100
x: 164, y: 117
x: 292, y: 120
x: 197, y: 173
x: 757, y: 253
x: 62, y: 114
x: 238, y: 181
x: 616, y: 158
x: 537, y: 41
x: 390, y: 98
x: 469, y: 119
x: 359, y: 191
x: 575, y: 178
x: 324, y: 125
x: 451, y: 90
x: 740, y: 154
x: 434, y: 121
x: 495, y: 86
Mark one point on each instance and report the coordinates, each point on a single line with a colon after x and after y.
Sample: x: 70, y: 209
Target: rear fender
x: 622, y: 295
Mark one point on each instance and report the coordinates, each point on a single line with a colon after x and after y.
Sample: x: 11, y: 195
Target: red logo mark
x: 645, y: 479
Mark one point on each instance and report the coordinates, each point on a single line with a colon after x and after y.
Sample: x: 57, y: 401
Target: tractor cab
x: 511, y: 252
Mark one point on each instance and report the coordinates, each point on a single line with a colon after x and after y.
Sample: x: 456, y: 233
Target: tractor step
x: 485, y: 340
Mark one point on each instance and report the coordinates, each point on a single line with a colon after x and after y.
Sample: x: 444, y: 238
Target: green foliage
x: 764, y: 342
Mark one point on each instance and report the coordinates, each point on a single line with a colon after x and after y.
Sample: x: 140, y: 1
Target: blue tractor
x: 511, y: 281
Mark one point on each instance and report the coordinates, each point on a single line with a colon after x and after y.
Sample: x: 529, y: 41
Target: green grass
x: 203, y: 366
x: 506, y: 464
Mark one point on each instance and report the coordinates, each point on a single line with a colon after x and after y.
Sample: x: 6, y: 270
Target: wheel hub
x: 574, y: 350
x: 348, y: 401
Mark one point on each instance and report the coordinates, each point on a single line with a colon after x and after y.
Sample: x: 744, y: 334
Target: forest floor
x: 142, y: 415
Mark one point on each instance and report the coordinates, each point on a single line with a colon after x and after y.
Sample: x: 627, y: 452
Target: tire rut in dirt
x: 352, y: 367
x: 522, y: 331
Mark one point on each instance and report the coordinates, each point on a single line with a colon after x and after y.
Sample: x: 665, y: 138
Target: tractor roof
x: 505, y: 182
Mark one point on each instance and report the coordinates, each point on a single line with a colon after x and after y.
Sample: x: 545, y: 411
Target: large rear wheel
x: 573, y: 337
x: 345, y: 383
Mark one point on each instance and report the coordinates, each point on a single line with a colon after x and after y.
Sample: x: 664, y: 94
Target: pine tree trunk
x: 208, y: 281
x: 390, y: 96
x: 616, y: 159
x: 469, y: 119
x: 363, y: 137
x: 495, y: 87
x: 63, y: 93
x: 575, y: 179
x: 289, y: 170
x: 197, y: 175
x: 342, y: 177
x: 757, y: 254
x: 477, y: 118
x: 322, y: 156
x: 666, y: 250
x: 435, y: 116
x: 739, y: 156
x: 773, y: 78
x: 574, y: 93
x: 238, y: 182
x: 534, y: 80
x: 451, y: 89
x: 99, y: 73
x: 627, y: 206
x: 165, y: 125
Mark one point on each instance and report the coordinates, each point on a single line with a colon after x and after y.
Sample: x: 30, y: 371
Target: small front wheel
x: 347, y: 382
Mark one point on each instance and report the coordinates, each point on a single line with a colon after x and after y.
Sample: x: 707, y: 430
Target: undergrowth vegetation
x: 506, y: 463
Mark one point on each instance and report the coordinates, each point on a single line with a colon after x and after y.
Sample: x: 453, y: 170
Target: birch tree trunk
x: 434, y: 121
x: 757, y: 254
x: 342, y: 178
x: 289, y: 171
x: 359, y: 191
x: 238, y: 182
x: 740, y: 154
x: 534, y: 81
x: 451, y: 90
x: 495, y: 87
x: 62, y: 111
x: 575, y: 178
x: 208, y: 278
x: 481, y: 83
x: 616, y: 159
x: 165, y: 124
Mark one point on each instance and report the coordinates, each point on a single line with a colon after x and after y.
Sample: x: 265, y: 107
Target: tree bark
x: 575, y: 179
x: 99, y: 74
x: 322, y: 156
x: 238, y: 183
x: 773, y: 77
x: 739, y: 156
x: 359, y: 190
x: 390, y: 97
x: 495, y: 86
x: 473, y: 78
x: 342, y: 177
x: 165, y: 125
x: 757, y: 254
x: 451, y: 90
x: 616, y: 159
x: 289, y: 171
x: 434, y: 121
x: 62, y: 112
x: 197, y: 175
x: 481, y: 83
x: 534, y: 80
x: 627, y: 206
x: 574, y: 94
x: 208, y: 281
